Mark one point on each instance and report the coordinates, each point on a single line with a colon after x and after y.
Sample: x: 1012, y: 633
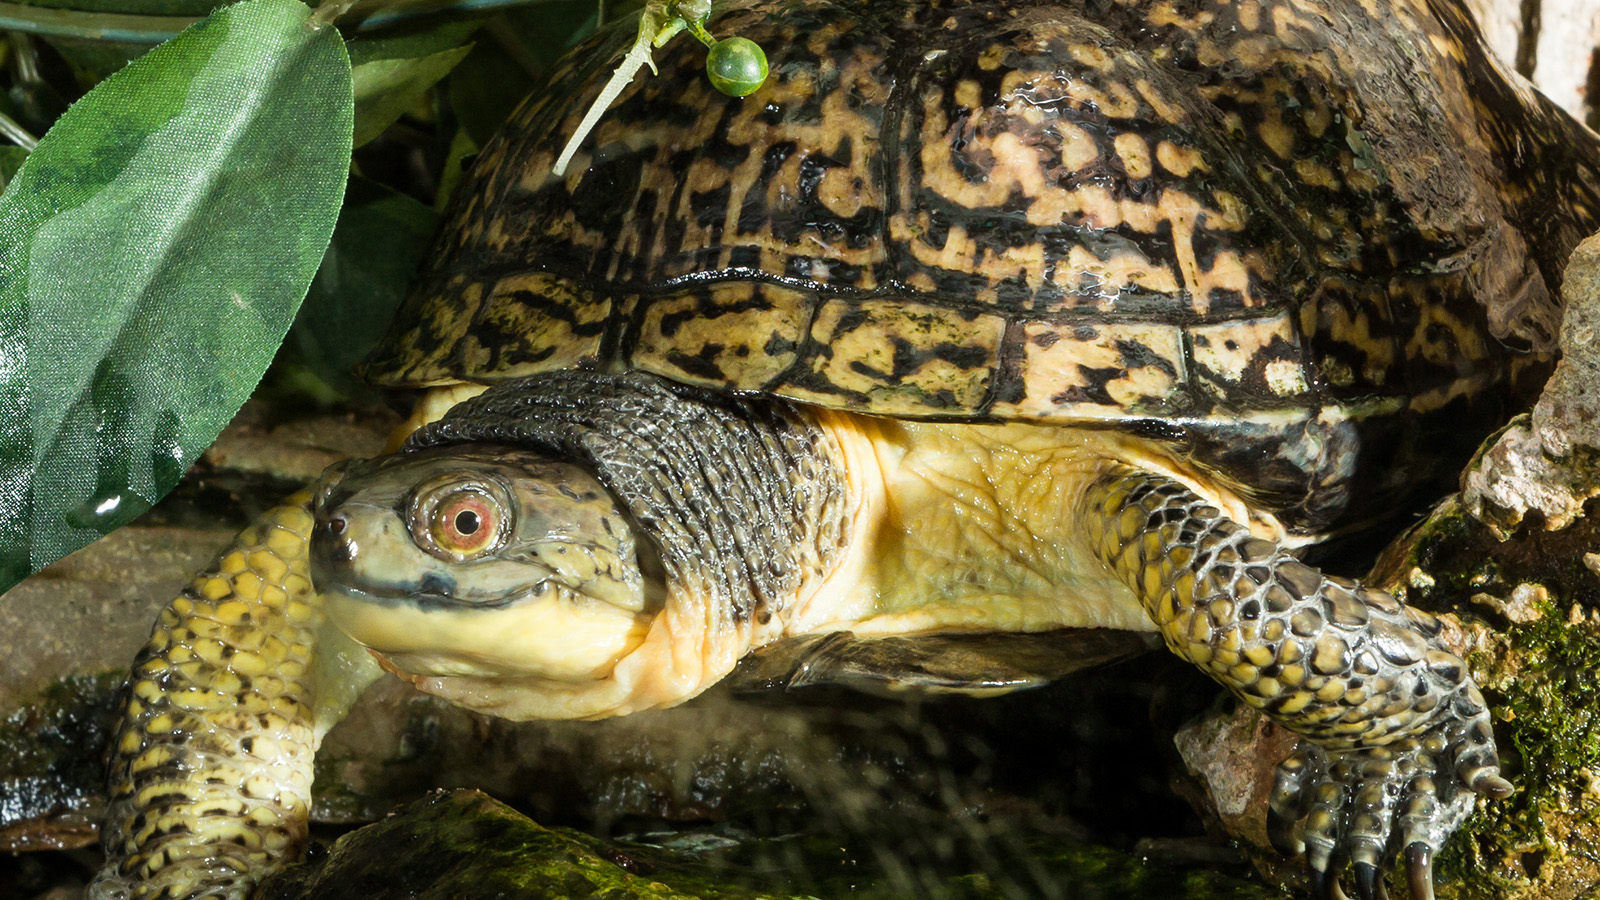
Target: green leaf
x: 11, y: 159
x: 380, y: 240
x: 153, y: 250
x: 393, y: 71
x: 456, y: 162
x: 386, y: 88
x: 411, y: 42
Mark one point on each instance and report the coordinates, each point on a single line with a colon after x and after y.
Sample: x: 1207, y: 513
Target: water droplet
x: 106, y: 512
x: 167, y: 459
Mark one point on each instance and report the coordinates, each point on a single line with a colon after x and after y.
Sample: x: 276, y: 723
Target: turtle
x: 981, y: 316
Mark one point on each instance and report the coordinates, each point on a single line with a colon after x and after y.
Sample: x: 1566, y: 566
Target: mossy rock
x: 1528, y: 612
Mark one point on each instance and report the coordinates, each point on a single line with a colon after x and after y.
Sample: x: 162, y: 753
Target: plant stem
x: 16, y: 134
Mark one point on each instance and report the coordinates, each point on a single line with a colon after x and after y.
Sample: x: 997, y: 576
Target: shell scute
x: 1098, y: 370
x: 898, y: 357
x: 1250, y: 356
x: 707, y: 331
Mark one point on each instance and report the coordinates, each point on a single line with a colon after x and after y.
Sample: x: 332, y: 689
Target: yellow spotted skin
x: 1282, y: 229
x: 1398, y: 737
x: 226, y: 686
x: 1331, y: 660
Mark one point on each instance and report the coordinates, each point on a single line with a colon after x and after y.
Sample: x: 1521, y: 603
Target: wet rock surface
x: 463, y: 845
x: 1529, y: 613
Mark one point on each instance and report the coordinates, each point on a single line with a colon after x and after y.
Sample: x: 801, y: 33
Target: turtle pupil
x: 467, y: 522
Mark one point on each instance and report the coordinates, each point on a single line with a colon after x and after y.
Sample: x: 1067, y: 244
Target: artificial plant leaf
x: 394, y: 67
x: 98, y: 37
x: 381, y: 237
x: 386, y: 88
x: 153, y: 250
x: 11, y: 159
x: 411, y: 41
x: 457, y: 160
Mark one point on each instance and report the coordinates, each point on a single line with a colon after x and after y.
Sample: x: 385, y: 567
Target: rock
x: 1549, y: 41
x: 1234, y: 758
x: 51, y: 774
x: 297, y: 449
x: 464, y: 846
x: 89, y: 613
x: 1549, y: 462
x: 1528, y: 610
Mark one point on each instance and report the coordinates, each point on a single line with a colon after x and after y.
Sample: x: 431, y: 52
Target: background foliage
x: 155, y: 247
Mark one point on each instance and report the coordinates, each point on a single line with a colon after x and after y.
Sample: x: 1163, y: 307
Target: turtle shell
x: 1270, y: 233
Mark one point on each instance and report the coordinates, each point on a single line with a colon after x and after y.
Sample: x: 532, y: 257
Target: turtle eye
x: 462, y: 524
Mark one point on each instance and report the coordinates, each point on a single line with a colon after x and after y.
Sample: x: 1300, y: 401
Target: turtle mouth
x: 547, y: 630
x: 436, y: 592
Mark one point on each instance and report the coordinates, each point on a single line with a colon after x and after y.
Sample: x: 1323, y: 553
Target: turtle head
x: 481, y: 560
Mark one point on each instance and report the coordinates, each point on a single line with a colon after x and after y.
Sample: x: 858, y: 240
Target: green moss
x: 1545, y: 706
x: 1536, y: 662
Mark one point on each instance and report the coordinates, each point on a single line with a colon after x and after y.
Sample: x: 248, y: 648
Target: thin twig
x: 26, y: 59
x: 16, y: 134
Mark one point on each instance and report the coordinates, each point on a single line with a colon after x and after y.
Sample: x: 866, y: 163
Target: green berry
x: 736, y: 66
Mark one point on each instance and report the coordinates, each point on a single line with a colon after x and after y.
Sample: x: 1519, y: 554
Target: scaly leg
x: 210, y: 776
x: 1398, y: 736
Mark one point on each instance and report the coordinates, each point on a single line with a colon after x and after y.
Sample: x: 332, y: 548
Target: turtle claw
x: 1325, y: 885
x: 1358, y: 807
x: 1281, y: 833
x: 1488, y: 782
x: 1419, y: 871
x: 1368, y: 884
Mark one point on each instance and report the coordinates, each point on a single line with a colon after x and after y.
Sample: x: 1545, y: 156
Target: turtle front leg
x: 1397, y: 735
x: 211, y: 766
